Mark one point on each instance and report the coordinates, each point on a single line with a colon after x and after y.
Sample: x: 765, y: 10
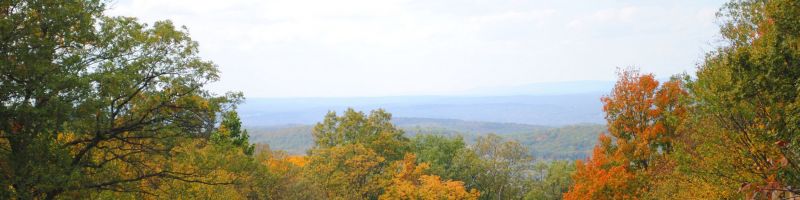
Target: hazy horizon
x: 356, y: 48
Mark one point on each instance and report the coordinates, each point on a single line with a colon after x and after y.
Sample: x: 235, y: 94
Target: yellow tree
x: 290, y: 179
x: 410, y: 182
x: 349, y: 171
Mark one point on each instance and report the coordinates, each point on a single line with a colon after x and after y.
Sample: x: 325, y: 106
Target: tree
x: 601, y: 178
x: 409, y: 182
x: 96, y: 103
x: 289, y: 177
x: 642, y: 117
x: 375, y: 132
x: 230, y: 132
x: 747, y: 102
x: 553, y: 181
x: 501, y: 170
x: 644, y: 120
x: 351, y: 152
x: 240, y: 175
x: 349, y: 171
x: 440, y: 152
x: 228, y: 158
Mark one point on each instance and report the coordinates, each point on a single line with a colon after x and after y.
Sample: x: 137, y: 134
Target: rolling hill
x: 545, y: 142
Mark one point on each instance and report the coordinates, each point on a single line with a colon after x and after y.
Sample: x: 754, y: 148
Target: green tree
x: 439, y: 151
x: 745, y: 129
x: 553, y: 179
x: 374, y: 131
x: 230, y: 132
x: 94, y: 103
x: 497, y: 168
x: 352, y: 151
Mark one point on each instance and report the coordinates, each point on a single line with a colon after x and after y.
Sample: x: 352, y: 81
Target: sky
x: 346, y: 48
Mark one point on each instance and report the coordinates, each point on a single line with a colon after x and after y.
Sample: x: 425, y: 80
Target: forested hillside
x: 101, y: 107
x: 561, y: 143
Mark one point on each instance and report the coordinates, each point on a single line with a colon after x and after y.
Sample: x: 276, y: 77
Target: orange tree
x: 643, y: 120
x: 600, y: 178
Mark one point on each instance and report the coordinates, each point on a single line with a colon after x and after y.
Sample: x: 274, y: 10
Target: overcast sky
x: 314, y: 48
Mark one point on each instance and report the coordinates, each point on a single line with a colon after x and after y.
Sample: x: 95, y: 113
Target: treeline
x: 731, y: 132
x: 359, y: 156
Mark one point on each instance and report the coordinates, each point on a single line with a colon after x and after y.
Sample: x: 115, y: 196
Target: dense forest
x: 99, y: 107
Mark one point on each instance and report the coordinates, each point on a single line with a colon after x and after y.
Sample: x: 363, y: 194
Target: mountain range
x: 548, y: 104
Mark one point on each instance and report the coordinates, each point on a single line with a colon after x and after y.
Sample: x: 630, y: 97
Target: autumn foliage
x: 410, y: 182
x: 643, y: 117
x: 599, y: 178
x: 643, y: 120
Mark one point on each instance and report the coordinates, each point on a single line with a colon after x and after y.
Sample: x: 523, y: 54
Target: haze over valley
x: 556, y: 120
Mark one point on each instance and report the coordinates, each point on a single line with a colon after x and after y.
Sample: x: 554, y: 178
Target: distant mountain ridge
x: 552, y: 110
x: 549, y: 104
